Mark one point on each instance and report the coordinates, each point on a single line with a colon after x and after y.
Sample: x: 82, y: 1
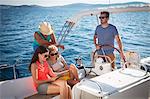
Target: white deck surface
x: 115, y: 81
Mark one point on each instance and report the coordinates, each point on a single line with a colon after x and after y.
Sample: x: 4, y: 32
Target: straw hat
x: 45, y: 28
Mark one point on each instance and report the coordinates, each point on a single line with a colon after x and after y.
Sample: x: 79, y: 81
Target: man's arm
x: 95, y: 37
x: 95, y: 42
x: 118, y: 39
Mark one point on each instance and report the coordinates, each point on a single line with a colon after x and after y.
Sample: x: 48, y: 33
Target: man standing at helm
x: 106, y: 33
x: 45, y: 36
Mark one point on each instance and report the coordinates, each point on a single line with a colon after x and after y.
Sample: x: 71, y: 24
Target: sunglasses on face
x: 46, y: 56
x: 52, y: 54
x: 102, y: 17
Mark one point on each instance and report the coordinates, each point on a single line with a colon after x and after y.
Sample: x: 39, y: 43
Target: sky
x: 62, y: 2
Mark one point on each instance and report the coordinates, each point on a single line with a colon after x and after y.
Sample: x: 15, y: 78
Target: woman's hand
x: 61, y: 46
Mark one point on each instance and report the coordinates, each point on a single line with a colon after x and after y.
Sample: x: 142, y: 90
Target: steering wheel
x: 107, y: 45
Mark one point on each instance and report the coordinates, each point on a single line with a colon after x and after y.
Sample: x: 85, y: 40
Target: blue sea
x: 18, y: 24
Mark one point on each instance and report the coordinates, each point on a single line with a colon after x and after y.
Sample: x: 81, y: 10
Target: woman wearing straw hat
x: 45, y: 36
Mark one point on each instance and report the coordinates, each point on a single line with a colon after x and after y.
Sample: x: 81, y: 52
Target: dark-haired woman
x: 44, y: 79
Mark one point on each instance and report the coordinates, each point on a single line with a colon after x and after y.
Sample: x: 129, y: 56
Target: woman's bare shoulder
x: 33, y: 65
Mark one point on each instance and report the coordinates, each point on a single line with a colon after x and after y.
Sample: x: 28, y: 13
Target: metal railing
x: 12, y: 68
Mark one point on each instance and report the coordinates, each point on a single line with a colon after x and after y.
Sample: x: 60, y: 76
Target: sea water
x: 18, y: 24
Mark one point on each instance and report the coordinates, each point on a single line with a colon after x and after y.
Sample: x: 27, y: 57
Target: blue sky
x: 62, y: 2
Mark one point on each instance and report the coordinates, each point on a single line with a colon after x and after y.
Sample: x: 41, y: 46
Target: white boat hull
x: 146, y: 62
x: 17, y: 89
x: 137, y: 92
x: 120, y: 87
x: 117, y: 85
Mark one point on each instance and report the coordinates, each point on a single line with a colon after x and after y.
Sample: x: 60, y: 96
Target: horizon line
x: 70, y: 4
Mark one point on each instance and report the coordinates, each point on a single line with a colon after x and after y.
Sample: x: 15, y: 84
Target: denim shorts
x: 42, y: 88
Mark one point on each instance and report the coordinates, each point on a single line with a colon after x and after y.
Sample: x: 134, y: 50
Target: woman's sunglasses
x: 46, y: 56
x: 52, y: 54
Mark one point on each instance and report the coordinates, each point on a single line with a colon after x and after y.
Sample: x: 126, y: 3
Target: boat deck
x: 38, y: 96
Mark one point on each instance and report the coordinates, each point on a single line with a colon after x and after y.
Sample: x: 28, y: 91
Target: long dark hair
x: 39, y: 50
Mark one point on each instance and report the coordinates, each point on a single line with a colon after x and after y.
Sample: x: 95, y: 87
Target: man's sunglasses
x: 52, y: 54
x: 102, y: 17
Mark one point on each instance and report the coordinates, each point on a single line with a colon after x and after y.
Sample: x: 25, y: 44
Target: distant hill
x: 103, y: 5
x: 118, y: 4
x: 79, y: 5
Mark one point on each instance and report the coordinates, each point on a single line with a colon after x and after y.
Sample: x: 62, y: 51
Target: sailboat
x: 123, y: 83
